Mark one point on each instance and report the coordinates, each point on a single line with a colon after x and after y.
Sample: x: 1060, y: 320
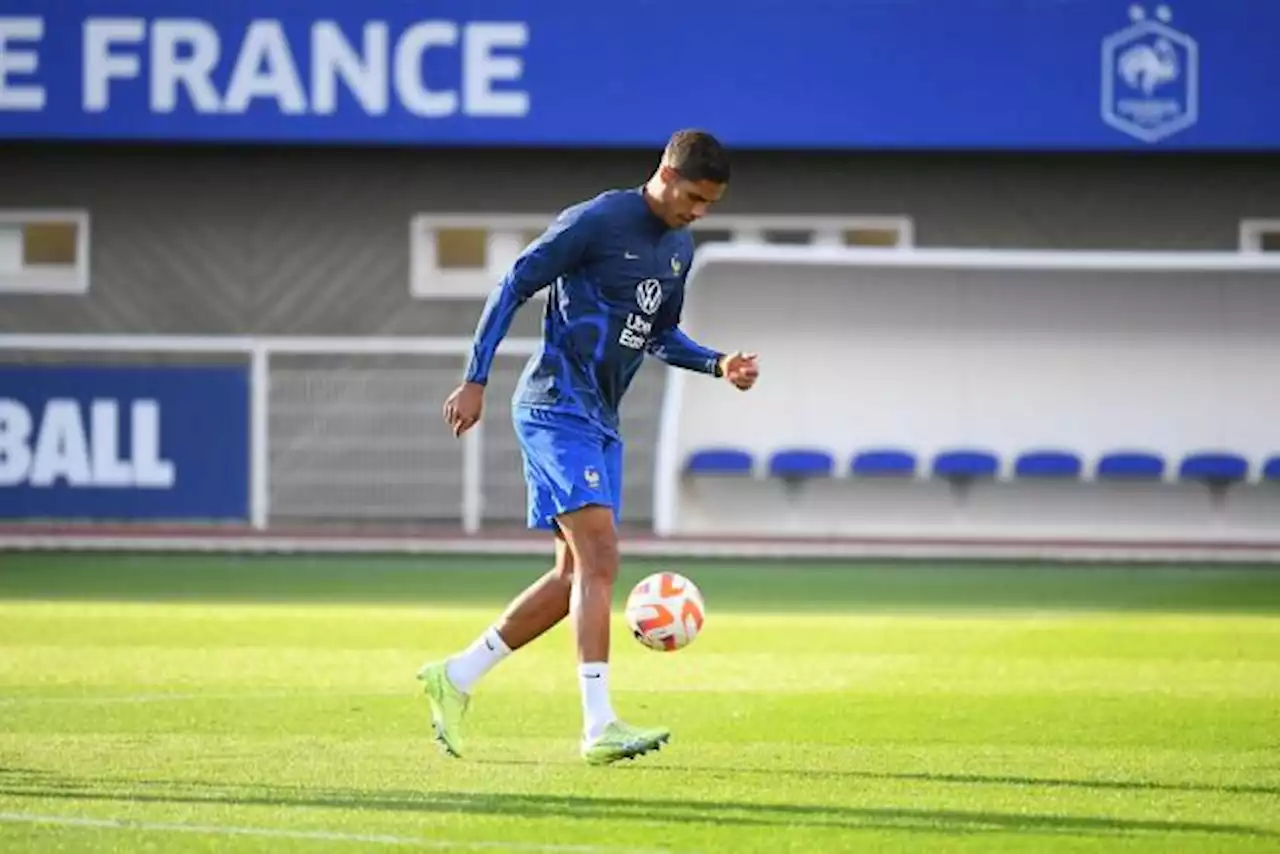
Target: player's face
x: 689, y: 201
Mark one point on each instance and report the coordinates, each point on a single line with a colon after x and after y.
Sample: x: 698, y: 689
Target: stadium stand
x: 978, y: 394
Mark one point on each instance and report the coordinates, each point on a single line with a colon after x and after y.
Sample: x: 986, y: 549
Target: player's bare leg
x: 542, y: 605
x: 538, y: 608
x: 593, y: 539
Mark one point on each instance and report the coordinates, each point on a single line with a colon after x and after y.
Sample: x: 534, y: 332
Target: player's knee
x: 593, y: 540
x: 598, y: 556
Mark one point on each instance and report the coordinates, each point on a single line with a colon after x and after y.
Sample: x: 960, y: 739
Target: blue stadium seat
x: 1213, y: 467
x: 1057, y: 464
x: 884, y: 463
x: 1130, y: 465
x: 1271, y: 471
x: 801, y: 462
x: 965, y: 464
x: 719, y: 461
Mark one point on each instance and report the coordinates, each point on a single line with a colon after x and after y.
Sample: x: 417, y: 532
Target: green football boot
x: 623, y: 741
x: 448, y: 706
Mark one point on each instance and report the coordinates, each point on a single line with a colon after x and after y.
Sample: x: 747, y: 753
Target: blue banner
x: 112, y: 443
x: 836, y: 74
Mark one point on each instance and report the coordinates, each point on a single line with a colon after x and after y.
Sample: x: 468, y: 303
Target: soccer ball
x: 665, y: 611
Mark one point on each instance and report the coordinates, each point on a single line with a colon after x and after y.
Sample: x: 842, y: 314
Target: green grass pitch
x: 235, y: 704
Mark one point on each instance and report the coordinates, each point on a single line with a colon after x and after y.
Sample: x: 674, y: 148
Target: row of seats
x: 969, y: 464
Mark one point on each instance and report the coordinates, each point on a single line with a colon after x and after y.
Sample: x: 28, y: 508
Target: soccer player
x: 616, y: 265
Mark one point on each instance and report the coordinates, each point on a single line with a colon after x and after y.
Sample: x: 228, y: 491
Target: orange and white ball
x: 665, y: 611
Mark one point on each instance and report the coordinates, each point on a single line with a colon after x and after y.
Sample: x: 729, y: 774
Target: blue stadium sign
x: 996, y: 74
x: 117, y: 442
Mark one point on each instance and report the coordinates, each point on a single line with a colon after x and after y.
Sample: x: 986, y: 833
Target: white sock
x: 466, y: 668
x: 597, y: 712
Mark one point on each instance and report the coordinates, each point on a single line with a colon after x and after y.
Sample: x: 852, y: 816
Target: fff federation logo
x: 1150, y: 77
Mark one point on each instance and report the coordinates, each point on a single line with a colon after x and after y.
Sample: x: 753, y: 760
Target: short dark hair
x: 697, y: 156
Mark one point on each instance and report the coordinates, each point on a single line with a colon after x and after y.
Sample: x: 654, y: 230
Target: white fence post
x: 259, y: 435
x: 472, y: 475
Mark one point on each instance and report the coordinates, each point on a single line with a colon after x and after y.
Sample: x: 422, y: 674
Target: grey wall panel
x: 316, y: 241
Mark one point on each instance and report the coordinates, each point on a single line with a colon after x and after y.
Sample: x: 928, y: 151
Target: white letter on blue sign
x: 15, y: 431
x: 100, y: 64
x: 62, y: 451
x: 332, y: 56
x: 108, y: 468
x: 14, y: 61
x: 416, y: 97
x: 194, y: 71
x: 279, y: 80
x: 148, y: 469
x: 481, y: 69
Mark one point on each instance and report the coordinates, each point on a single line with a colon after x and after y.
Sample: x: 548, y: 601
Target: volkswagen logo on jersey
x: 649, y: 295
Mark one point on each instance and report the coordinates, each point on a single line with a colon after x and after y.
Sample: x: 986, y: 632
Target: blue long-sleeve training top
x: 617, y: 278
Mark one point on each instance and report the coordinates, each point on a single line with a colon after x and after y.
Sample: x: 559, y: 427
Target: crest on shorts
x: 649, y: 295
x: 1150, y: 77
x: 591, y: 476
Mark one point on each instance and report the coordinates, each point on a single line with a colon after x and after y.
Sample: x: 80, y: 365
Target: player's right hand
x: 462, y: 409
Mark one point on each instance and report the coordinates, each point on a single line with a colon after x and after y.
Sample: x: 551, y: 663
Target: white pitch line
x: 318, y: 835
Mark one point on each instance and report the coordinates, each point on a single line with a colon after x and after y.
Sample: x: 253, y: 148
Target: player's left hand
x: 740, y: 369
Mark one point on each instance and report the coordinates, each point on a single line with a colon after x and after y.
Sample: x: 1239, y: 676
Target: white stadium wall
x: 1113, y: 399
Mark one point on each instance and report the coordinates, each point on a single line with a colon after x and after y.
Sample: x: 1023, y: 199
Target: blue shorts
x: 569, y: 463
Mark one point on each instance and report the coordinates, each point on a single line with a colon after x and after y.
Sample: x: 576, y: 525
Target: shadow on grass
x: 15, y: 784
x: 960, y: 779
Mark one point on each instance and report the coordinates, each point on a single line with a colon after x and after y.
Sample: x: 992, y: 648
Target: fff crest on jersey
x: 649, y: 295
x: 675, y: 264
x: 1150, y: 77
